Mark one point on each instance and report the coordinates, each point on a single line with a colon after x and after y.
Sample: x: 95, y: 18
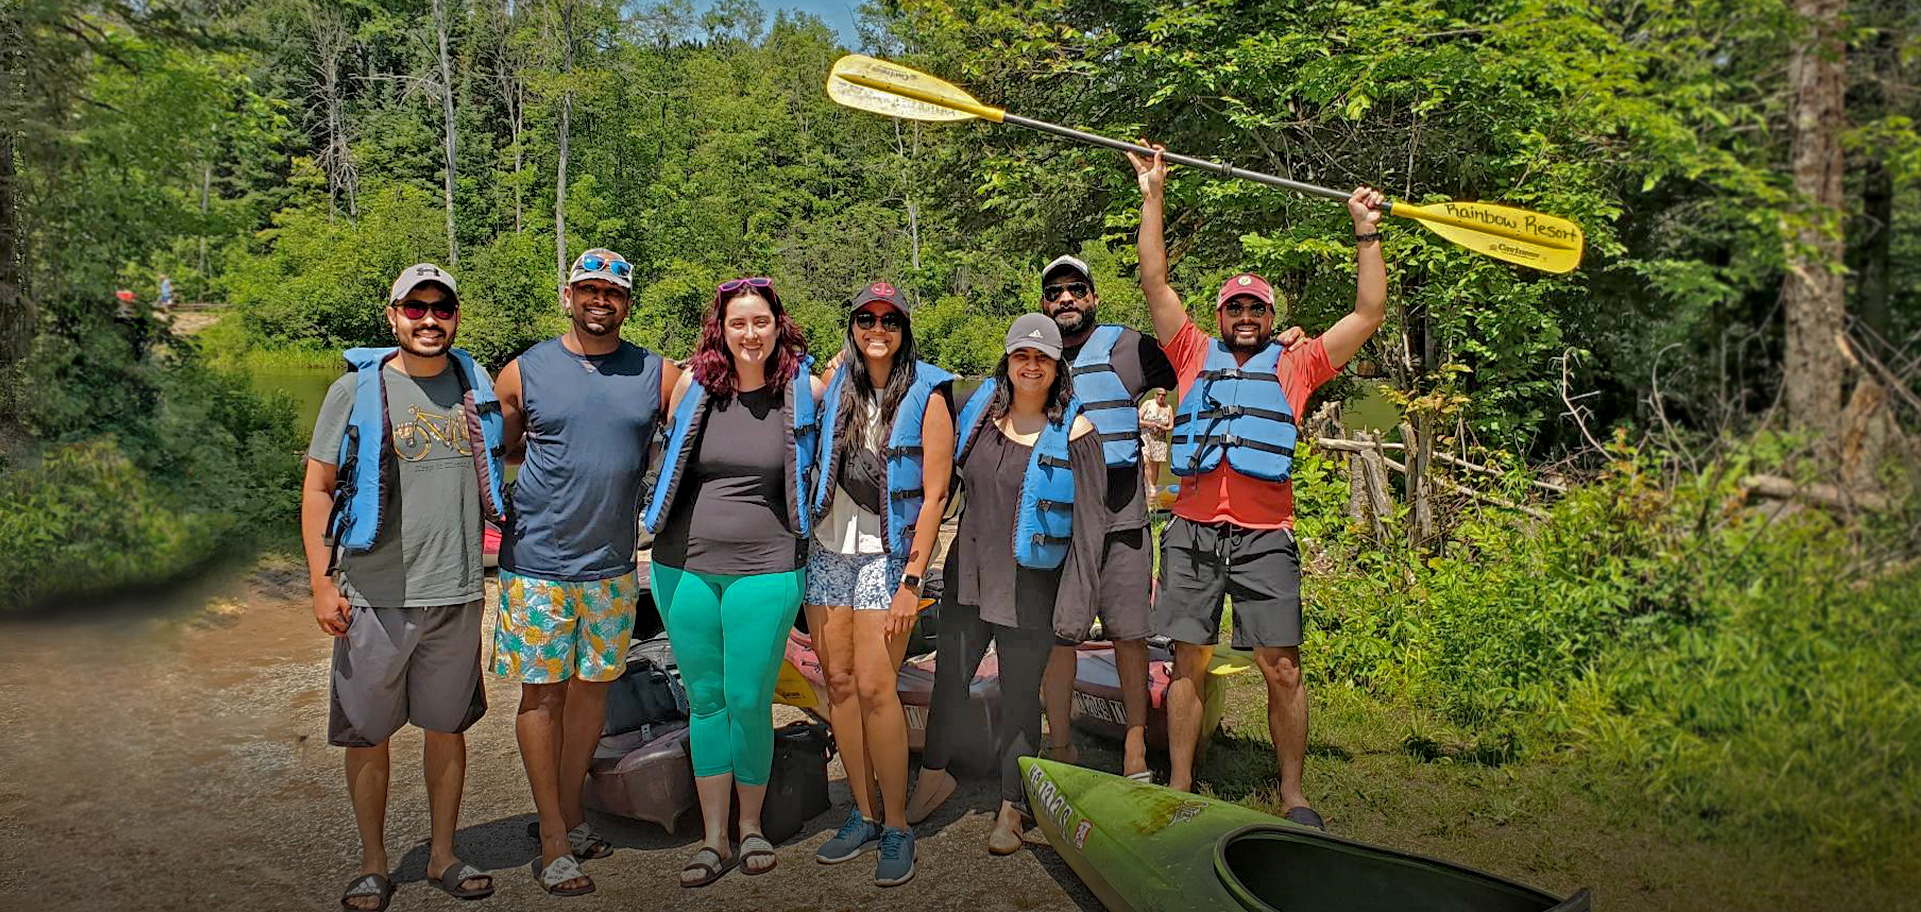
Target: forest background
x: 1660, y: 534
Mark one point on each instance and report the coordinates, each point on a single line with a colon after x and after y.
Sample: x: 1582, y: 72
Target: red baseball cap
x: 1246, y: 283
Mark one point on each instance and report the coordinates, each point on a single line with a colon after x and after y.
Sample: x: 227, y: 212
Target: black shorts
x: 1127, y: 571
x: 1259, y: 568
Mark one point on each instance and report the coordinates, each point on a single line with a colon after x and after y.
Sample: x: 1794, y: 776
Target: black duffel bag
x: 648, y: 692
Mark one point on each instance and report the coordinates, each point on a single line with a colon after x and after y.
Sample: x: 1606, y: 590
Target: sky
x: 838, y: 14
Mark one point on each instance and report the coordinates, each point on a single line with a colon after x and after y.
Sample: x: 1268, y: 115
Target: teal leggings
x: 729, y: 635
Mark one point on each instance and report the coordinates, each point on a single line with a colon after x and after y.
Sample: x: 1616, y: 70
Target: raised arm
x: 1162, y: 303
x: 1344, y: 340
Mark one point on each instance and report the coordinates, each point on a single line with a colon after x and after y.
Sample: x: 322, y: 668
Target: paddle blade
x: 883, y: 87
x: 1516, y: 235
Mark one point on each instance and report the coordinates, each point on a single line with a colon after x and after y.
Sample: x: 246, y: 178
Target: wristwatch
x: 910, y: 582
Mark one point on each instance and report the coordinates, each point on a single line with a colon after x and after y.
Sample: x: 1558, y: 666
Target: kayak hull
x: 647, y: 774
x: 1146, y: 848
x: 1099, y: 704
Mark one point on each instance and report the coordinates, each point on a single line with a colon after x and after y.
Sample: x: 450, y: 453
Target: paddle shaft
x: 1222, y: 169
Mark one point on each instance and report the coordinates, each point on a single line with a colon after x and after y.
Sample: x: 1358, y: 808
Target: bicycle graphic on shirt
x: 415, y: 439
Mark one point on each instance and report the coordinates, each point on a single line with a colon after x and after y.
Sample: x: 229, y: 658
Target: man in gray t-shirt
x: 405, y: 613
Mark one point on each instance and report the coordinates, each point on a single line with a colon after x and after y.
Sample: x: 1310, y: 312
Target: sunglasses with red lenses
x: 414, y: 310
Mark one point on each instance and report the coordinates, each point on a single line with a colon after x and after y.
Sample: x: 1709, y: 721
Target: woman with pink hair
x: 728, y: 577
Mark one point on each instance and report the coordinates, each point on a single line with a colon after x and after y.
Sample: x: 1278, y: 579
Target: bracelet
x: 1364, y: 238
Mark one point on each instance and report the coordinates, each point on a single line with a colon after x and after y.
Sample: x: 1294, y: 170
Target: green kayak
x: 1143, y: 847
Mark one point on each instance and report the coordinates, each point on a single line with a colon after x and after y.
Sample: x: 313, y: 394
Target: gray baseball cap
x: 1068, y: 262
x: 421, y: 274
x: 1035, y: 331
x: 606, y: 265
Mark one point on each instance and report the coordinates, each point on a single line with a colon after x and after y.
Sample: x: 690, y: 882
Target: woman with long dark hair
x: 728, y: 576
x: 1024, y: 568
x: 887, y: 437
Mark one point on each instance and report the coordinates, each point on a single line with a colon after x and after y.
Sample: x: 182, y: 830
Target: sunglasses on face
x: 415, y: 310
x: 1235, y: 309
x: 1076, y: 289
x: 891, y: 322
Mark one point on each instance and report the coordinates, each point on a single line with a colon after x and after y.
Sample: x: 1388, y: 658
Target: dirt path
x: 176, y: 758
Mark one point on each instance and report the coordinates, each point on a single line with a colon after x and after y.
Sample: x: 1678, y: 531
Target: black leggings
x: 1023, y: 658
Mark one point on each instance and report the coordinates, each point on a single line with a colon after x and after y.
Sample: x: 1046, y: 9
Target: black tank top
x: 730, y: 512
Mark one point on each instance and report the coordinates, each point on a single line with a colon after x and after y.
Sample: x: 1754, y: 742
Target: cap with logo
x: 606, y: 265
x: 884, y: 292
x: 421, y: 274
x: 1035, y: 331
x: 1067, y: 262
x: 1246, y: 283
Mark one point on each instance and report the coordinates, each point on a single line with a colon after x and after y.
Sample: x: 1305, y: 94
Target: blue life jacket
x: 1044, y: 524
x: 1105, y: 401
x: 683, y: 435
x: 904, y: 465
x: 367, y: 470
x: 1236, y: 410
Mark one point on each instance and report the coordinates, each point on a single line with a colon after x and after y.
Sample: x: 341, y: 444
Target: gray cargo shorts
x: 401, y: 665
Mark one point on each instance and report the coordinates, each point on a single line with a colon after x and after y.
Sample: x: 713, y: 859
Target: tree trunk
x: 560, y: 178
x: 16, y: 308
x: 1812, y: 296
x: 1418, y: 435
x: 447, y: 114
x: 1877, y: 224
x: 206, y: 193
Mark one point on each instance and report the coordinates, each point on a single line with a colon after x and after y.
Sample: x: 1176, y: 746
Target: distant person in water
x: 579, y: 413
x: 391, y: 514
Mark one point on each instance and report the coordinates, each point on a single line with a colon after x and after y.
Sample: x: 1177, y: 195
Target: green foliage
x: 147, y: 494
x: 322, y: 280
x: 1732, y: 663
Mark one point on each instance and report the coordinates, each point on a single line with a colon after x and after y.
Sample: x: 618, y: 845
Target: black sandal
x: 712, y: 871
x: 1305, y: 816
x: 458, y: 873
x: 757, y: 846
x: 368, y: 885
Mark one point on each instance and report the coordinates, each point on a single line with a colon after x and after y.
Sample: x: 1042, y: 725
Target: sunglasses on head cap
x: 594, y: 262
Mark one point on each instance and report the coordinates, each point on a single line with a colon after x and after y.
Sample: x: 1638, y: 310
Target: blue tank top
x: 589, y: 423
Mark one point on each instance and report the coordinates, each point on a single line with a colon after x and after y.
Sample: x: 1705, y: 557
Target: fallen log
x: 1827, y: 495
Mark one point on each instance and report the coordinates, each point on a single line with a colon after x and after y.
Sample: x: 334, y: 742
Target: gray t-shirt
x: 428, y: 552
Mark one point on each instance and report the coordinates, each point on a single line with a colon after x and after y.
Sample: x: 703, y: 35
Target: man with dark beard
x: 401, y: 473
x: 1233, y: 446
x: 580, y: 412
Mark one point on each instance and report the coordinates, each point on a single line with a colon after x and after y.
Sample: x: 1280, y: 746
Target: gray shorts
x: 1260, y: 569
x: 401, y: 665
x: 1127, y: 571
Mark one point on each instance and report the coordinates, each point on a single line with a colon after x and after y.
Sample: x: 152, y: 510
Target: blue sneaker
x: 896, y: 865
x: 856, y: 836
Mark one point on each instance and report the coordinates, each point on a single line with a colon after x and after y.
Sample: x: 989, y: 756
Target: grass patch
x: 1542, y: 819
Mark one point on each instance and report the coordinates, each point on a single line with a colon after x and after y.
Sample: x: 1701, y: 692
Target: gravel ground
x: 175, y: 757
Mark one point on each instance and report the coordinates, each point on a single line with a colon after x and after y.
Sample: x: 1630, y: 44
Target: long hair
x: 713, y: 364
x: 1058, y: 396
x: 859, y: 390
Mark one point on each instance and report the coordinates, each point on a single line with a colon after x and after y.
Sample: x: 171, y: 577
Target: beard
x: 1231, y: 338
x: 1072, y: 320
x: 414, y: 345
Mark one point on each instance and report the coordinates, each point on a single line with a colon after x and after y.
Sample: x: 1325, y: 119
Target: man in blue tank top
x: 579, y: 412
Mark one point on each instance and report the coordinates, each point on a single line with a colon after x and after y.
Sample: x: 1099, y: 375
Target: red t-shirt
x: 1224, y: 495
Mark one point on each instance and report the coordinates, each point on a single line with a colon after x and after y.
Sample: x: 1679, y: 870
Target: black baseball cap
x: 878, y: 291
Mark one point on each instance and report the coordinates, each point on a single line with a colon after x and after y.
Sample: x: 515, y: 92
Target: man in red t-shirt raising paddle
x: 1233, y: 446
